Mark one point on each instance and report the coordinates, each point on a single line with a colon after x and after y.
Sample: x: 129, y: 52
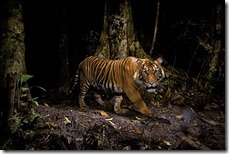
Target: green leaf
x: 36, y: 103
x: 24, y: 78
x: 31, y: 134
x: 23, y: 95
x: 100, y: 141
x: 15, y: 124
x: 32, y: 115
x: 34, y: 100
x: 24, y: 89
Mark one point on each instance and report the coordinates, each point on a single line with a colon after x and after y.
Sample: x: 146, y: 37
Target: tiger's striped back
x: 104, y: 73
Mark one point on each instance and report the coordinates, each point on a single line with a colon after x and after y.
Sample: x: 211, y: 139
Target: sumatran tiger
x: 124, y: 76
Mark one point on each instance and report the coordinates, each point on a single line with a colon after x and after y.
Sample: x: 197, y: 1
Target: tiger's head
x: 149, y: 74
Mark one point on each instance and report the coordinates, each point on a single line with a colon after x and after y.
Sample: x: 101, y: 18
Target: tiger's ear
x: 159, y: 60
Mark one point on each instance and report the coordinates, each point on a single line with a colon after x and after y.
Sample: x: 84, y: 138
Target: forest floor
x: 66, y: 127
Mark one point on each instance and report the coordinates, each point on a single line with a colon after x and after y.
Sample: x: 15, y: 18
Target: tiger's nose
x: 153, y: 83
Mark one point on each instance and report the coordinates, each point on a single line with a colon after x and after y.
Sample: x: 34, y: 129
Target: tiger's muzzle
x: 151, y: 87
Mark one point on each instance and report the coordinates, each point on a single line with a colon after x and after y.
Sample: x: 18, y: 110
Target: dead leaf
x: 103, y: 113
x: 165, y: 110
x: 139, y: 119
x: 167, y: 142
x: 112, y: 124
x: 109, y: 119
x: 45, y: 104
x: 179, y: 116
x: 52, y: 124
x: 137, y: 130
x: 66, y: 121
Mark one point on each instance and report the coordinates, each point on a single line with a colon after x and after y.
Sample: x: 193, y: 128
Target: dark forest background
x: 180, y: 24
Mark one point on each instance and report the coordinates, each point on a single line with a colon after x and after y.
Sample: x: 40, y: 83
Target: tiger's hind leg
x: 117, y: 100
x: 117, y: 103
x: 98, y: 99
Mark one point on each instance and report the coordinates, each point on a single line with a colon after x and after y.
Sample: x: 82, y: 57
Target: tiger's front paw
x: 147, y: 113
x: 120, y: 110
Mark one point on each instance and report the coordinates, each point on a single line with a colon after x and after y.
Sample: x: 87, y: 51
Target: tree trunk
x: 63, y: 50
x: 118, y: 39
x: 155, y: 29
x: 12, y: 55
x: 217, y: 44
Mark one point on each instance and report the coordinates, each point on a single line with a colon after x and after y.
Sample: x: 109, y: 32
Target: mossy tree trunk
x: 217, y: 45
x: 12, y: 52
x: 118, y: 39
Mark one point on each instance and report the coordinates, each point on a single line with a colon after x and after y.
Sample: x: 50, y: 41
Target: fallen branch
x: 195, y: 143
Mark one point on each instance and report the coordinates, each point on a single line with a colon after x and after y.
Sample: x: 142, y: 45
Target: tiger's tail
x: 74, y: 84
x: 67, y: 90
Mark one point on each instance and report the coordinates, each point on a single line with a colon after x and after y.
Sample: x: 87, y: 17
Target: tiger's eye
x: 159, y: 76
x: 155, y: 70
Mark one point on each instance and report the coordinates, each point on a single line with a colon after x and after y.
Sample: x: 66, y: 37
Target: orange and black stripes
x: 118, y: 76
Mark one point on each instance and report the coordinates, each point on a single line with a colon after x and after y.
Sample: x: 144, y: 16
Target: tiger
x: 124, y: 76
